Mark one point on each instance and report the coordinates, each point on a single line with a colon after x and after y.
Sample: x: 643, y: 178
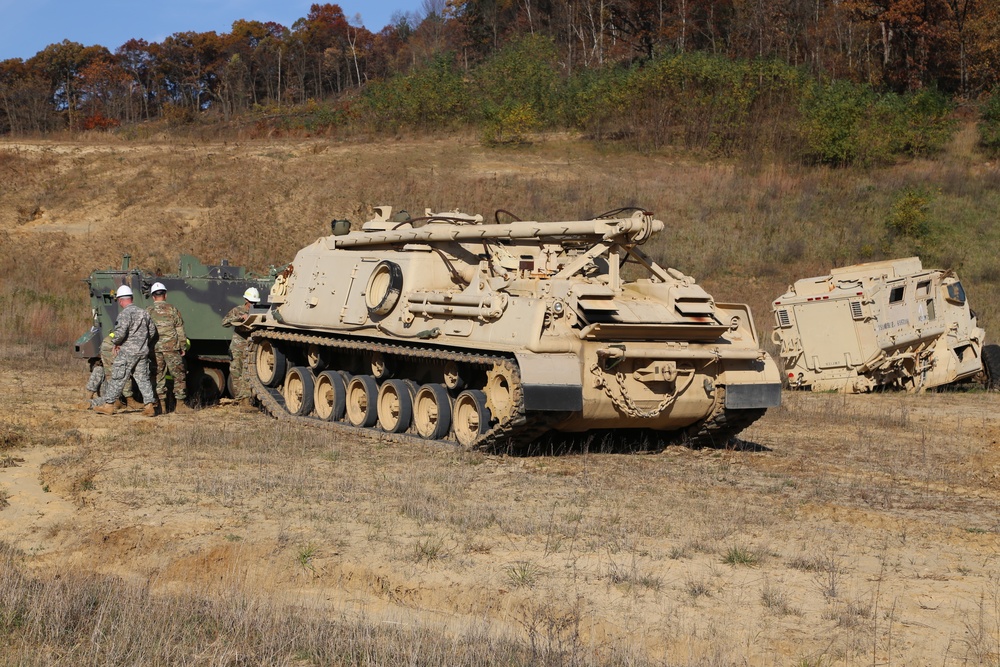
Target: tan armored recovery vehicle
x: 880, y: 325
x: 444, y: 327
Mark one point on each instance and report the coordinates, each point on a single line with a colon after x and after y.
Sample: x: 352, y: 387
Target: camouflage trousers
x: 239, y: 367
x: 172, y: 361
x: 100, y: 378
x: 125, y: 366
x: 96, y: 379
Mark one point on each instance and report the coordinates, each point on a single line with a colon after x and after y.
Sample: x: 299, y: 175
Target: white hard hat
x: 252, y: 295
x: 123, y: 291
x: 157, y: 287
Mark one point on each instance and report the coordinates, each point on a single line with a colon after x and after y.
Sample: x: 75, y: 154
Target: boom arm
x: 638, y: 227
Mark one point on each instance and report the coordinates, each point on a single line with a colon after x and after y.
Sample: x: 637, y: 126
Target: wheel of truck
x: 212, y: 384
x: 471, y: 416
x: 330, y: 398
x: 270, y: 362
x: 362, y: 401
x: 991, y: 366
x: 395, y: 406
x: 432, y: 411
x: 299, y: 390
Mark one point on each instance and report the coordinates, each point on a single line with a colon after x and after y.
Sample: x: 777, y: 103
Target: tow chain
x: 623, y: 401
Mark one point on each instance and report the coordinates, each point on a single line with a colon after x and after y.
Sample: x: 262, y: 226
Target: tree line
x: 585, y: 61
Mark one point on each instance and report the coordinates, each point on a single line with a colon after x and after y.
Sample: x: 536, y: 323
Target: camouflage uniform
x: 238, y: 350
x: 168, y: 351
x: 132, y: 332
x: 100, y: 374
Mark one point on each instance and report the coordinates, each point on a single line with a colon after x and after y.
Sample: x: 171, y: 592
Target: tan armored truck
x: 889, y: 324
x: 445, y: 327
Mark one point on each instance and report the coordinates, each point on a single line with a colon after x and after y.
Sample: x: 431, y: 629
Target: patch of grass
x: 304, y: 556
x: 86, y: 618
x: 852, y: 614
x: 12, y: 435
x: 522, y: 574
x: 741, y: 555
x: 697, y: 587
x: 4, y: 496
x: 679, y: 552
x: 631, y: 577
x: 428, y: 549
x: 774, y: 599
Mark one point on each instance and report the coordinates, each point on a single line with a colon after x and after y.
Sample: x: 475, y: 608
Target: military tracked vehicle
x: 203, y: 293
x: 444, y: 327
x: 889, y: 324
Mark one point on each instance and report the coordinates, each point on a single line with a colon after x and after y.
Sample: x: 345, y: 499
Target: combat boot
x: 86, y: 405
x: 133, y: 404
x: 182, y: 408
x: 246, y: 405
x: 105, y: 409
x: 149, y: 410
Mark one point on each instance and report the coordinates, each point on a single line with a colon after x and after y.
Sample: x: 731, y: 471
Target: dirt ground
x: 859, y: 530
x: 849, y: 530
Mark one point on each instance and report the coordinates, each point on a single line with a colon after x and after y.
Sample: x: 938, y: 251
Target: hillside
x: 746, y: 231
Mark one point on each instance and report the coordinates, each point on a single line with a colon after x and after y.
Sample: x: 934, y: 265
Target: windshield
x: 956, y: 292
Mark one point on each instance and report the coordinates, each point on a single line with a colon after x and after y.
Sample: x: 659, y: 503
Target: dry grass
x: 87, y: 619
x: 835, y: 526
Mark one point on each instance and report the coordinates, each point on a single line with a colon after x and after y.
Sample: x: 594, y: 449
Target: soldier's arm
x: 121, y: 328
x: 230, y: 319
x: 179, y: 325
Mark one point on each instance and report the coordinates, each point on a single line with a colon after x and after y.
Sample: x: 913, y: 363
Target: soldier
x: 168, y: 353
x: 132, y: 332
x: 238, y: 347
x: 100, y: 377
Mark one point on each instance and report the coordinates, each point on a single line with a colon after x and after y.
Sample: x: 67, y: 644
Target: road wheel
x: 330, y: 398
x: 381, y: 367
x: 315, y: 358
x: 299, y: 390
x: 270, y: 362
x: 452, y: 376
x: 395, y: 408
x: 362, y: 401
x: 432, y: 411
x: 991, y: 366
x: 472, y: 417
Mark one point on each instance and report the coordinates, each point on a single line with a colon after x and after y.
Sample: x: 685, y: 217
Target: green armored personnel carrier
x: 203, y: 293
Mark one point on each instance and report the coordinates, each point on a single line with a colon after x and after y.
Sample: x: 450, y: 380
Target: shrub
x: 845, y: 123
x: 698, y: 101
x: 908, y: 215
x: 434, y: 96
x: 521, y: 80
x: 989, y: 124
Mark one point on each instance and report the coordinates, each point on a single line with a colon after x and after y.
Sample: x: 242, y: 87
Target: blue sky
x: 28, y: 26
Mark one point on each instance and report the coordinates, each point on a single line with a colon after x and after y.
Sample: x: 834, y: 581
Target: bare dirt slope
x: 851, y: 530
